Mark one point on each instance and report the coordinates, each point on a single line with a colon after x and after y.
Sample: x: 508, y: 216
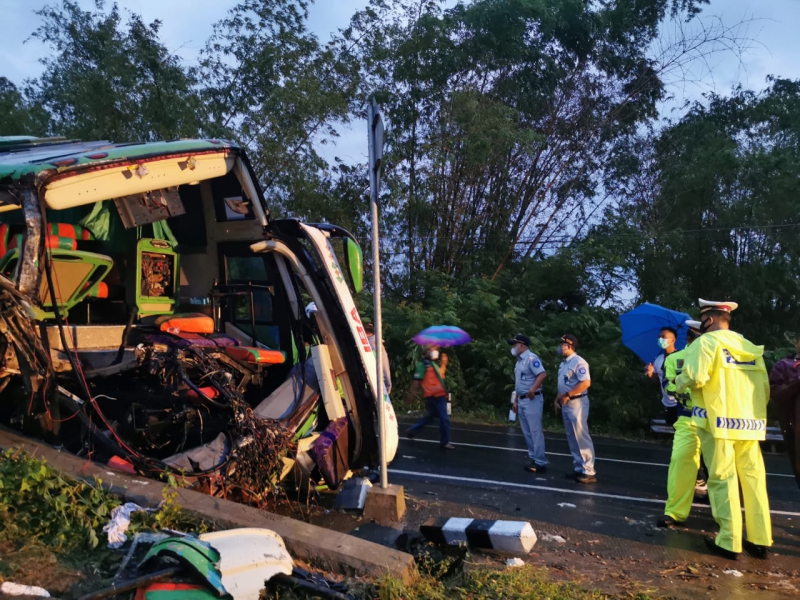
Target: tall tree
x: 106, y: 77
x: 503, y: 113
x: 18, y: 116
x: 272, y: 86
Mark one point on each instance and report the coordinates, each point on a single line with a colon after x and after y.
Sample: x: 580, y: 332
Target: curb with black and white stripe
x: 515, y: 537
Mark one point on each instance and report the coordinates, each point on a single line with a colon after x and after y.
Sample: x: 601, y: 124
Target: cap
x: 691, y: 324
x: 520, y: 339
x: 311, y: 309
x: 569, y: 339
x: 707, y: 305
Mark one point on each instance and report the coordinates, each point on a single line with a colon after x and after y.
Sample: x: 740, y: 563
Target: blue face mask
x: 663, y: 344
x: 560, y: 351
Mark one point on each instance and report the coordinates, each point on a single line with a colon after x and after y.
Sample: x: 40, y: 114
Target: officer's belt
x: 578, y: 396
x: 536, y: 393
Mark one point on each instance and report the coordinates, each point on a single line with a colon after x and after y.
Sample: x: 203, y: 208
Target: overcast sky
x: 187, y: 24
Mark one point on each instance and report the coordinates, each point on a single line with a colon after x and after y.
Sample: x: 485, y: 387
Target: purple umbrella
x: 442, y: 335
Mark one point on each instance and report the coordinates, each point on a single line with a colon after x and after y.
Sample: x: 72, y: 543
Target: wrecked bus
x: 153, y: 315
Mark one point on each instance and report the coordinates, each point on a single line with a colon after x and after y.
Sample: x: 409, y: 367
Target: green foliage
x: 38, y: 502
x: 105, y: 79
x: 509, y: 584
x: 17, y: 115
x: 539, y: 299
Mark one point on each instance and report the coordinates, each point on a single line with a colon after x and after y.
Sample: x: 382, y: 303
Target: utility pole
x: 375, y: 124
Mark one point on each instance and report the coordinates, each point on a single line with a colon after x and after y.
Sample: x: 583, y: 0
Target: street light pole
x: 375, y: 125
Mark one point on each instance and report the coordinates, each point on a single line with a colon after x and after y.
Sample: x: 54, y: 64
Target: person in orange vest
x: 430, y: 377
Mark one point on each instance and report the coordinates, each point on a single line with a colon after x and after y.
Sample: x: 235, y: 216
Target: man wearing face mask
x: 529, y: 375
x: 666, y: 341
x: 727, y: 379
x: 685, y: 460
x: 430, y: 376
x: 573, y: 402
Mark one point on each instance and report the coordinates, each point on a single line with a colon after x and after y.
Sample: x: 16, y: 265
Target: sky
x: 774, y: 49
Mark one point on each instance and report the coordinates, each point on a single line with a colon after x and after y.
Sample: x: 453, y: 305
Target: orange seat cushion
x: 187, y: 322
x: 52, y: 241
x: 256, y: 355
x: 76, y: 232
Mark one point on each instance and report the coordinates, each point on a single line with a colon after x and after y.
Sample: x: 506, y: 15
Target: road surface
x: 486, y: 470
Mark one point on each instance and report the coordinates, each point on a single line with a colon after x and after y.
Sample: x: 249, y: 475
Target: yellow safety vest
x: 727, y: 378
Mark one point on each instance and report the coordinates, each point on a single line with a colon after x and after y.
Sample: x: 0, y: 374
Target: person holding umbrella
x: 685, y: 459
x: 666, y: 342
x: 529, y: 374
x: 430, y: 377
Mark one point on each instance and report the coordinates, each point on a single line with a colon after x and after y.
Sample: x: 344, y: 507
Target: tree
x: 275, y: 89
x: 503, y: 113
x: 105, y: 79
x: 716, y: 213
x: 17, y: 115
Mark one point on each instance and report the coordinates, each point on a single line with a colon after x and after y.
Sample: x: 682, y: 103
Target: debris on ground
x: 15, y: 589
x: 515, y: 562
x: 733, y: 572
x: 119, y: 523
x: 546, y: 537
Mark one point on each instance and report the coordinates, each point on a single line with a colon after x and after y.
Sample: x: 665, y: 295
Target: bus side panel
x: 336, y: 276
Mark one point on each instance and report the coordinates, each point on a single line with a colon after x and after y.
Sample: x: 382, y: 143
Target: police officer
x: 573, y: 402
x: 730, y: 413
x: 529, y: 375
x: 685, y: 459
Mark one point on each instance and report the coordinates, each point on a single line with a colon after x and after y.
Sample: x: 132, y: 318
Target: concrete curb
x: 325, y: 549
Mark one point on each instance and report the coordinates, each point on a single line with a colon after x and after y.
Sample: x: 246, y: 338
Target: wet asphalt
x: 485, y: 470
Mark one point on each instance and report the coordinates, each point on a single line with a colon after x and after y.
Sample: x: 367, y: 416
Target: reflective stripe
x: 700, y: 413
x: 742, y: 424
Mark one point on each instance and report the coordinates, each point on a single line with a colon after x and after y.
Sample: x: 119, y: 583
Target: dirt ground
x: 609, y: 564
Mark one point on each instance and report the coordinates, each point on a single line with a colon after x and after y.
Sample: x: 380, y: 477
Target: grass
x: 523, y: 583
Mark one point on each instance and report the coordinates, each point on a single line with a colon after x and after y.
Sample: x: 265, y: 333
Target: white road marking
x: 616, y: 460
x: 545, y: 488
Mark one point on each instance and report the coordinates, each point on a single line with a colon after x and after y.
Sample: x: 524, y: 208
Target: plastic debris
x: 119, y: 523
x: 553, y: 538
x: 566, y: 505
x: 515, y: 562
x: 16, y: 589
x: 733, y: 572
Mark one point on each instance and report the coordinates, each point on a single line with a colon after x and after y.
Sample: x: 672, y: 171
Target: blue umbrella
x: 641, y: 325
x: 442, y: 335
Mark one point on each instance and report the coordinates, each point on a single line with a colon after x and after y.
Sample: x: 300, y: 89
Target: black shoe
x: 447, y: 447
x: 410, y: 434
x: 581, y: 478
x: 755, y: 550
x: 534, y: 468
x: 667, y: 522
x: 712, y: 545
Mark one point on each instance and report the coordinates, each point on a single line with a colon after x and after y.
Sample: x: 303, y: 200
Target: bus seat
x: 75, y: 273
x: 247, y: 354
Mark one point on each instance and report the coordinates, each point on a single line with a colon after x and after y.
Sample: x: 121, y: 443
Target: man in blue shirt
x: 573, y: 402
x: 529, y: 375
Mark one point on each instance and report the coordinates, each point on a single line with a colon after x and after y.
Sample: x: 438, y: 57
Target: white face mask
x: 514, y: 351
x: 663, y: 344
x: 433, y: 354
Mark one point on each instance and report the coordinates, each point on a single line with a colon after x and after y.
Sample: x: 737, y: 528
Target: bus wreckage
x: 153, y: 316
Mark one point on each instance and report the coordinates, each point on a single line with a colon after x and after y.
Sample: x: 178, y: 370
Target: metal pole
x: 376, y: 270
